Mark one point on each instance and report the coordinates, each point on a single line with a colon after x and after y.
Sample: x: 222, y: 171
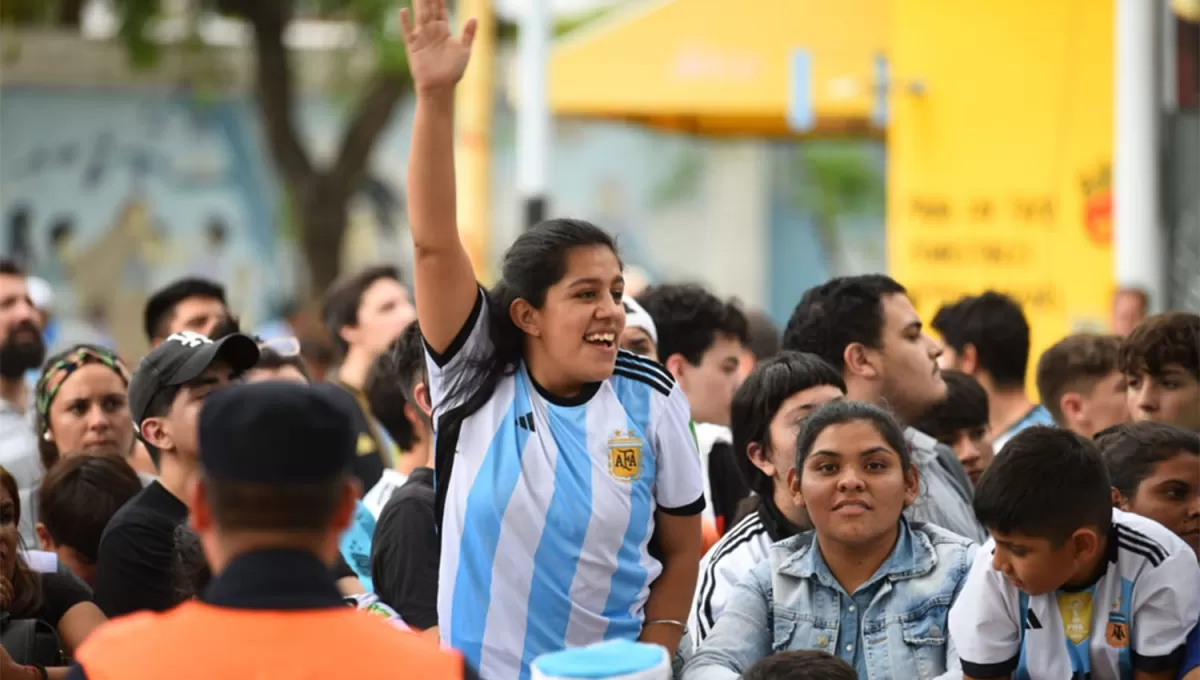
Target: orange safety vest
x: 197, y: 641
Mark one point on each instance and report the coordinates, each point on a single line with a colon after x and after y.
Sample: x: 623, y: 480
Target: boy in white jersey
x: 1069, y: 587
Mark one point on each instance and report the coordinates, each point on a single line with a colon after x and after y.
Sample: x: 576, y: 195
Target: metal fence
x: 1183, y: 210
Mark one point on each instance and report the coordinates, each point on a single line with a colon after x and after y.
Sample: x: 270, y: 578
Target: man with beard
x: 21, y: 349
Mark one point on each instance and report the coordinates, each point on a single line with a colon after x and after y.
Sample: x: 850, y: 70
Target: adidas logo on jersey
x: 525, y: 422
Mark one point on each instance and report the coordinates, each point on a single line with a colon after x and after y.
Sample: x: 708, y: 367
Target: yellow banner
x: 473, y: 153
x: 1000, y: 156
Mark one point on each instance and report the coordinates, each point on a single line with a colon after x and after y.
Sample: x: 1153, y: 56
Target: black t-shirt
x: 728, y: 487
x: 369, y: 463
x: 137, y: 551
x: 405, y: 551
x: 60, y: 592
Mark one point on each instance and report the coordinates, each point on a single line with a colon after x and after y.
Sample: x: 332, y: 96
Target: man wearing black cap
x: 133, y: 565
x: 274, y: 493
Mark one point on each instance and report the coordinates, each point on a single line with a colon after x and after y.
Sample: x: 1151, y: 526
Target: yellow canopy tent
x: 767, y: 67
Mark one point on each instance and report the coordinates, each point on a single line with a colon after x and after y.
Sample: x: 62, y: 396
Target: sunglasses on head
x: 285, y: 346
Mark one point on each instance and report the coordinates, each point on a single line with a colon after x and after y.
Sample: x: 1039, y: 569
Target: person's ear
x: 421, y: 396
x: 525, y: 317
x: 45, y: 541
x: 969, y: 359
x: 157, y: 433
x: 757, y: 454
x: 675, y: 365
x: 199, y: 514
x: 1071, y: 406
x: 349, y: 335
x: 861, y: 361
x: 1119, y: 501
x: 794, y: 485
x: 912, y: 485
x: 1085, y: 543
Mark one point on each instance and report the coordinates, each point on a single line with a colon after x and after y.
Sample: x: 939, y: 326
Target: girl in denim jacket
x: 865, y: 585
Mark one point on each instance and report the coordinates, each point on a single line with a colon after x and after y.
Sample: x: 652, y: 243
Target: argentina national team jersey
x: 1137, y: 616
x: 549, y: 507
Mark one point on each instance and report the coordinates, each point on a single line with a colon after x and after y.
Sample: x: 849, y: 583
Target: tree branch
x: 269, y: 18
x: 370, y: 118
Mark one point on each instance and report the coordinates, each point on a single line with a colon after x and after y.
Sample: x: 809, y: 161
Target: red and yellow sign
x: 1000, y: 162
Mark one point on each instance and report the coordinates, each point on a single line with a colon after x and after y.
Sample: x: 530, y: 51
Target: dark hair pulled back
x: 532, y: 264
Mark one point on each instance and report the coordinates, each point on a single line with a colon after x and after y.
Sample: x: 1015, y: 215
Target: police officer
x: 275, y: 491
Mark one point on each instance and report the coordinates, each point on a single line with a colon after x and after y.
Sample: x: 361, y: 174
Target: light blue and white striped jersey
x: 549, y: 507
x: 1137, y: 616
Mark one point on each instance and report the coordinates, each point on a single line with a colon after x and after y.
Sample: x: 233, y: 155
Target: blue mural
x: 110, y: 194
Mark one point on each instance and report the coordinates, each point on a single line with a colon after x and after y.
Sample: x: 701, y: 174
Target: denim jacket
x: 792, y: 602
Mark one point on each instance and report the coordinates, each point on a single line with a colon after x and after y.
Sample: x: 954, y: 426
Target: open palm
x: 436, y: 58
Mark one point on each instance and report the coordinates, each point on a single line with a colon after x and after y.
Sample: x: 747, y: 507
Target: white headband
x: 636, y: 317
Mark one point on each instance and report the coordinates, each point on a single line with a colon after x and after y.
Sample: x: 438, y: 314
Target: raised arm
x: 445, y: 285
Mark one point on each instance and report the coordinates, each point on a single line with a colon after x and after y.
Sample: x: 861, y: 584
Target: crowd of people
x: 560, y: 477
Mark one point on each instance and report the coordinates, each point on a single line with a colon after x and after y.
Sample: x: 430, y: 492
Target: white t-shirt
x: 549, y: 506
x: 1137, y: 616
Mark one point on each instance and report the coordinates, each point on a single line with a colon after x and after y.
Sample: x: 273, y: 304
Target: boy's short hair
x: 1074, y: 364
x: 391, y: 382
x: 1162, y: 340
x: 688, y: 318
x: 760, y: 397
x: 801, y: 664
x: 995, y: 325
x: 78, y: 497
x: 160, y: 308
x: 965, y: 407
x: 1132, y: 450
x: 837, y: 313
x: 762, y: 335
x: 339, y: 307
x: 1048, y: 484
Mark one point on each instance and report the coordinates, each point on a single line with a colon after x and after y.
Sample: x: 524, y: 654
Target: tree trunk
x: 70, y: 12
x: 322, y: 213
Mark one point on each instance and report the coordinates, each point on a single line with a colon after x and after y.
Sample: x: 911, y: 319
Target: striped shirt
x: 729, y: 561
x: 1137, y: 616
x: 548, y: 506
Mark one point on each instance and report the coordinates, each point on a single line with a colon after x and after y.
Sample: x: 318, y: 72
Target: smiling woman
x: 559, y: 458
x: 863, y: 567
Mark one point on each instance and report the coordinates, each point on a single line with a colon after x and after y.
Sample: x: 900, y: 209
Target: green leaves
x: 136, y: 18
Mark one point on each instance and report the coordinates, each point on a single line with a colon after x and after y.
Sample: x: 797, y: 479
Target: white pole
x: 533, y: 112
x: 1138, y: 238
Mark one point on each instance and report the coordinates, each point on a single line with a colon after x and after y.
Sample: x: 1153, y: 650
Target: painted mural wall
x: 109, y: 194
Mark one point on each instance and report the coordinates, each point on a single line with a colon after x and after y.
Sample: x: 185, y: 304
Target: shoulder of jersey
x: 643, y: 370
x: 1144, y: 539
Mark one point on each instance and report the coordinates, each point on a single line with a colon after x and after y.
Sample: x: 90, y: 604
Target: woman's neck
x: 547, y: 377
x: 854, y: 564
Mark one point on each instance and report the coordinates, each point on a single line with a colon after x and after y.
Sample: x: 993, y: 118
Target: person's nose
x: 968, y: 451
x: 609, y: 308
x: 934, y: 349
x: 97, y: 419
x: 999, y: 562
x: 1145, y: 397
x: 850, y: 480
x: 1194, y: 508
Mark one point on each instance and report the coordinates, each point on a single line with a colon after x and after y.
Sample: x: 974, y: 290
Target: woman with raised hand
x: 569, y: 487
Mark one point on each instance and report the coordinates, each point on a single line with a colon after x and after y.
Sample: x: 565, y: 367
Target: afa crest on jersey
x: 625, y: 456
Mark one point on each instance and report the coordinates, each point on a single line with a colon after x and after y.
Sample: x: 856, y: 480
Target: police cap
x: 277, y: 433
